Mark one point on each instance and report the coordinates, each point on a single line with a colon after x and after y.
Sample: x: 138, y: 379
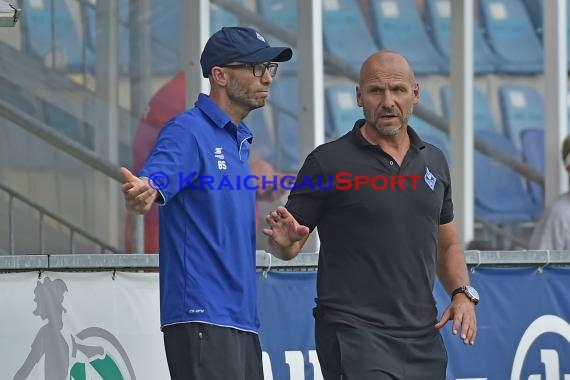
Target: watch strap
x: 461, y: 289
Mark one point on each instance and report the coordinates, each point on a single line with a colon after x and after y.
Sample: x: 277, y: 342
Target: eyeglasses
x: 257, y: 69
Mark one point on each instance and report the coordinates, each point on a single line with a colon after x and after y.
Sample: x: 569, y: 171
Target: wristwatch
x: 469, y: 291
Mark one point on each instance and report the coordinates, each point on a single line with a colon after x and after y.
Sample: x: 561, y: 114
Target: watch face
x: 471, y: 292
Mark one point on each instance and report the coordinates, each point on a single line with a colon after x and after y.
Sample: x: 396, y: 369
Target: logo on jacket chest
x: 220, y: 157
x: 430, y: 179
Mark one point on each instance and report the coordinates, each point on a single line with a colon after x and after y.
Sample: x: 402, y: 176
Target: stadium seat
x: 166, y: 32
x: 280, y: 12
x: 284, y: 107
x: 263, y: 146
x: 522, y: 108
x: 500, y: 193
x: 342, y: 108
x: 483, y: 116
x: 536, y: 13
x: 426, y: 131
x: 439, y: 141
x: 511, y: 36
x: 66, y: 47
x: 397, y: 26
x: 220, y: 17
x: 532, y: 141
x: 421, y: 126
x: 284, y: 14
x: 284, y: 104
x: 88, y: 12
x: 438, y: 20
x: 345, y: 34
x: 165, y: 35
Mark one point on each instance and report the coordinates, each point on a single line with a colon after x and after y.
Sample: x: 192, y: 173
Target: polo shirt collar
x: 360, y: 140
x: 415, y: 141
x: 212, y: 110
x: 221, y: 119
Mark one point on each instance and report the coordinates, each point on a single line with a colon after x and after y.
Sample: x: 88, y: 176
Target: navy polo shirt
x: 378, y: 252
x: 207, y: 219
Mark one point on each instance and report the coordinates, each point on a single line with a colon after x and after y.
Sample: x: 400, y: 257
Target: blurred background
x: 85, y: 85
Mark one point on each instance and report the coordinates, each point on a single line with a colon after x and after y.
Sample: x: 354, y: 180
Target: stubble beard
x: 382, y: 131
x: 239, y: 95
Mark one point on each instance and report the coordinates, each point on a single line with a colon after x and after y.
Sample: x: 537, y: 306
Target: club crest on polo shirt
x: 430, y: 179
x: 218, y: 153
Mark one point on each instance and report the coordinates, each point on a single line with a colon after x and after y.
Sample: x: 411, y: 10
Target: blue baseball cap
x: 239, y: 44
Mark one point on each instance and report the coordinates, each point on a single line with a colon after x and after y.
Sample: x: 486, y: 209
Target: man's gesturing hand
x: 139, y: 196
x: 285, y: 235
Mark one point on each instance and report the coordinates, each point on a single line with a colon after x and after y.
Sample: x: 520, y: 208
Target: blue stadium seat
x: 428, y: 132
x: 397, y: 26
x: 263, y: 146
x: 342, y: 108
x: 284, y: 104
x: 439, y: 141
x: 88, y: 12
x: 37, y: 24
x: 280, y: 12
x: 166, y: 32
x: 421, y: 126
x: 511, y: 36
x: 284, y: 14
x: 284, y: 107
x: 522, y: 108
x: 500, y: 193
x: 483, y: 116
x: 536, y: 13
x: 165, y: 35
x: 438, y: 20
x: 532, y: 141
x: 220, y: 17
x: 345, y: 34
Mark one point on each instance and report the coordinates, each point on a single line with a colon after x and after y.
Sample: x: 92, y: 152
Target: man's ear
x: 219, y: 76
x: 416, y: 91
x: 358, y: 96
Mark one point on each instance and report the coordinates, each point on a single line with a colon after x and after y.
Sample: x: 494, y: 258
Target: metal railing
x: 42, y: 214
x: 61, y: 142
x: 264, y: 261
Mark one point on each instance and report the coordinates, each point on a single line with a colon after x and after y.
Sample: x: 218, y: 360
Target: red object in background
x: 168, y: 102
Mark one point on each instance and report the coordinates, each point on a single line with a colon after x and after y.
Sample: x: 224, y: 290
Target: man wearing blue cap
x: 207, y: 233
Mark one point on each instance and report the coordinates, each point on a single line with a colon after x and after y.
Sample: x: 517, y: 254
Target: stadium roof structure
x: 9, y: 14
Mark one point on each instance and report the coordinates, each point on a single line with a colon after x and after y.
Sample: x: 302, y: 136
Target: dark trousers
x: 365, y: 353
x: 199, y: 351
